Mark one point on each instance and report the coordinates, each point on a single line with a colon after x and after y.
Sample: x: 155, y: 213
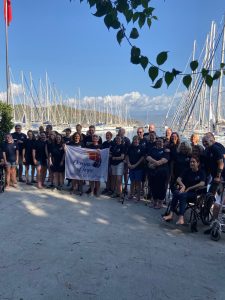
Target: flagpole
x: 6, y: 45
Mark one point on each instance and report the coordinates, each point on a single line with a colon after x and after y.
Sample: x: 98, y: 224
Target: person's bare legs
x: 43, y: 174
x: 7, y: 176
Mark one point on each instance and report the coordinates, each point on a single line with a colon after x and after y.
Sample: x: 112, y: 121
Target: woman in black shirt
x: 95, y: 185
x: 117, y: 155
x: 57, y: 162
x: 188, y: 182
x: 158, y: 172
x: 40, y: 159
x: 27, y: 156
x: 11, y: 159
x: 77, y: 185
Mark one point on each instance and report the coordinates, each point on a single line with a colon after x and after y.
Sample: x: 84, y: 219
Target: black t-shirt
x: 10, y: 151
x: 88, y: 140
x: 39, y: 147
x: 72, y: 143
x: 66, y: 140
x: 143, y: 144
x: 57, y: 152
x: 28, y: 146
x: 91, y: 146
x: 190, y: 178
x: 146, y: 135
x: 19, y: 137
x: 173, y: 151
x: 212, y: 155
x: 149, y: 146
x: 159, y: 153
x: 125, y: 141
x: 135, y: 153
x: 117, y: 151
x: 181, y: 162
x: 107, y: 144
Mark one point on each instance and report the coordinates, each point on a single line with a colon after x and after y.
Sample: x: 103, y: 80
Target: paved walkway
x: 55, y: 246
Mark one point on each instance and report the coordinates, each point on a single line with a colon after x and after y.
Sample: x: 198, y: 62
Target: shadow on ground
x: 60, y: 246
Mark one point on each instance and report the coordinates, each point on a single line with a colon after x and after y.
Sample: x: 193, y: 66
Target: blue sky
x: 78, y: 51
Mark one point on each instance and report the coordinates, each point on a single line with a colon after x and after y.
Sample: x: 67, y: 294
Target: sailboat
x: 200, y: 109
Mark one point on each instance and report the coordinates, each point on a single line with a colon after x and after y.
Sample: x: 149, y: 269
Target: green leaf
x: 149, y: 22
x: 128, y: 15
x: 134, y: 33
x: 176, y: 72
x: 161, y: 58
x: 135, y: 55
x: 141, y: 20
x: 144, y: 62
x: 222, y: 65
x: 158, y: 84
x: 135, y: 3
x: 122, y: 5
x: 216, y: 75
x: 209, y: 80
x: 153, y: 72
x: 103, y: 8
x: 169, y: 77
x: 108, y: 20
x: 204, y: 72
x: 120, y: 35
x: 135, y: 16
x: 155, y: 17
x: 115, y: 24
x: 144, y: 3
x: 92, y: 2
x: 187, y: 80
x: 135, y: 51
x: 148, y: 11
x: 194, y: 65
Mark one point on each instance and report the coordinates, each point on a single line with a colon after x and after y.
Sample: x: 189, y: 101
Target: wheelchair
x: 198, y: 208
x: 218, y: 226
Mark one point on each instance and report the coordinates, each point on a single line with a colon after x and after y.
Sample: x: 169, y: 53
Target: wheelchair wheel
x: 216, y: 231
x: 205, y: 210
x: 194, y: 226
x: 215, y: 235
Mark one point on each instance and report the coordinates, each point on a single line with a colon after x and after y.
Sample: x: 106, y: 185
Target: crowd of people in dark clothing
x: 160, y: 161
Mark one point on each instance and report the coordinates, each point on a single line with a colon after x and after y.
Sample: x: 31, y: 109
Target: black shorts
x: 57, y: 168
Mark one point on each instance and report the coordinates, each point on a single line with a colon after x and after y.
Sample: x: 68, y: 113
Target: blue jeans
x: 182, y: 198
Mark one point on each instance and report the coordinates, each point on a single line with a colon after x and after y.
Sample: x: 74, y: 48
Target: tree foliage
x: 6, y: 117
x: 136, y: 14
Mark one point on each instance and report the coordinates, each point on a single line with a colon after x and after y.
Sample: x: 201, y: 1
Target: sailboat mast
x: 220, y: 85
x: 212, y: 45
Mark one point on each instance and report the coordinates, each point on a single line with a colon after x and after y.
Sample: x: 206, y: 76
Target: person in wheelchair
x: 188, y: 183
x: 214, y: 157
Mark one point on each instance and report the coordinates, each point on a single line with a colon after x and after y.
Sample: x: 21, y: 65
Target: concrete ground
x: 54, y: 246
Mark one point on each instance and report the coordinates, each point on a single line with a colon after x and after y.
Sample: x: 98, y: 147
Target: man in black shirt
x: 88, y: 139
x: 214, y: 157
x: 125, y: 141
x: 151, y: 129
x: 67, y: 137
x: 19, y: 139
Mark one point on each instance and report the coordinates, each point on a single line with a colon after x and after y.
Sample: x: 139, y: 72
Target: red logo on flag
x: 7, y: 11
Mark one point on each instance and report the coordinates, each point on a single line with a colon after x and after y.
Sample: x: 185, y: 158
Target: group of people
x: 161, y: 161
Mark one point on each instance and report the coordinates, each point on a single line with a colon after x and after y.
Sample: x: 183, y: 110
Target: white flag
x: 86, y: 164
